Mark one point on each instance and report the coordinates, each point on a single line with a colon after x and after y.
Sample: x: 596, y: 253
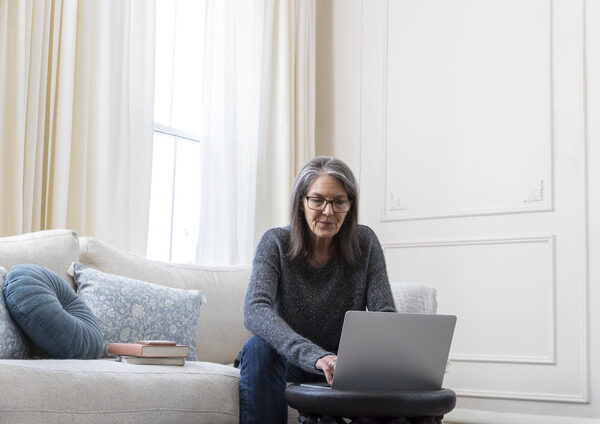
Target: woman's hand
x: 327, y: 365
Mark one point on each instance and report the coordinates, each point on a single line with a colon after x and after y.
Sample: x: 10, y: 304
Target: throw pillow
x: 51, y: 314
x: 132, y: 310
x: 13, y: 343
x: 223, y: 286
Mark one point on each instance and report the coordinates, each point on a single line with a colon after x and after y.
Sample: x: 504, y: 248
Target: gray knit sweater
x: 299, y: 309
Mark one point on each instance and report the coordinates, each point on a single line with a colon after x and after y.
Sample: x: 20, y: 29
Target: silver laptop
x: 392, y: 351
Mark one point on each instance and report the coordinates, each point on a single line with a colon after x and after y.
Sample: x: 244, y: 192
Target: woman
x: 304, y: 278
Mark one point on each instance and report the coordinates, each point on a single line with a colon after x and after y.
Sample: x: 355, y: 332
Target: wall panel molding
x: 387, y: 211
x: 472, y: 416
x: 516, y: 395
x: 549, y: 359
x: 535, y: 199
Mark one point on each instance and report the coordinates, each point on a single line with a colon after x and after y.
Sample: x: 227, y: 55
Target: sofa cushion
x: 105, y: 392
x: 132, y: 310
x: 13, y: 343
x: 52, y: 249
x: 221, y: 321
x: 51, y: 314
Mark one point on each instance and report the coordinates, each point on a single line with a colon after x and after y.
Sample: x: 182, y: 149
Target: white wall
x: 338, y: 71
x: 474, y: 127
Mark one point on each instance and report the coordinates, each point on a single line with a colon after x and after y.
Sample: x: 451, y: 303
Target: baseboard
x: 472, y: 416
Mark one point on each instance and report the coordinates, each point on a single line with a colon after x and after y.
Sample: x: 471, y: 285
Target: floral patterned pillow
x: 13, y: 342
x: 130, y: 310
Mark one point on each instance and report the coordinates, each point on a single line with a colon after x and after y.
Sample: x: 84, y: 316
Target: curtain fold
x: 287, y: 126
x: 257, y: 120
x: 76, y: 117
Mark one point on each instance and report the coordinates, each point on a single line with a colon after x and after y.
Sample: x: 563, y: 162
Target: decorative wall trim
x: 586, y: 209
x: 396, y: 204
x: 549, y: 359
x: 536, y: 194
x: 475, y: 416
x: 472, y: 416
x: 508, y: 359
x: 547, y: 397
x: 533, y: 202
x: 465, y: 213
x: 469, y: 242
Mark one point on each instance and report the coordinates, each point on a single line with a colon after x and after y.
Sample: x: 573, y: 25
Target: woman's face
x: 325, y: 223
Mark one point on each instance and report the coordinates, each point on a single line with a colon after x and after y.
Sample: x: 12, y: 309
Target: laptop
x: 392, y: 351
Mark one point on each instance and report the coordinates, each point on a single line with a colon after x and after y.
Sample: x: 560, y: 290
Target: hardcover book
x: 155, y: 350
x: 152, y: 361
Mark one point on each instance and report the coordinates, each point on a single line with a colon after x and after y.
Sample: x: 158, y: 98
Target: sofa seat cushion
x: 51, y: 314
x: 104, y: 391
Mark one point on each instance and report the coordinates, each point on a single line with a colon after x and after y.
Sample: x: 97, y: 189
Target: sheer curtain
x: 257, y: 120
x: 76, y: 87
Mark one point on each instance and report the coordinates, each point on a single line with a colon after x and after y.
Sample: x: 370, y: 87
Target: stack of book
x: 150, y: 352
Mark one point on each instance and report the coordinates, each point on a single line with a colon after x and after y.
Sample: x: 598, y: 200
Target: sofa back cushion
x: 221, y: 332
x: 52, y: 249
x: 414, y: 297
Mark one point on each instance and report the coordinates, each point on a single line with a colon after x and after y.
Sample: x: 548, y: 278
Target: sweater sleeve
x: 259, y: 313
x: 379, y: 292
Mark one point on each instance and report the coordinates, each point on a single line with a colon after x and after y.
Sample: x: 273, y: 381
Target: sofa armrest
x: 414, y: 297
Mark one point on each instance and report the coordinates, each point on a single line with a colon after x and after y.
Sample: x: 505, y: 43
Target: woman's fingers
x: 328, y: 375
x: 327, y: 365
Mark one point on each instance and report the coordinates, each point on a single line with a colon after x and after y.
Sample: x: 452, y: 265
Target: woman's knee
x: 258, y: 345
x: 260, y: 355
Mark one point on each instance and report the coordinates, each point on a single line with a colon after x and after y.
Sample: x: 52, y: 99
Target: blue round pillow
x: 51, y: 314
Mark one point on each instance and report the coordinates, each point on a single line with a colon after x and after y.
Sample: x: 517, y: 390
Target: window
x: 175, y: 193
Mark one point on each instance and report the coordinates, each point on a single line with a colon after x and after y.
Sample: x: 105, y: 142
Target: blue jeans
x: 263, y: 376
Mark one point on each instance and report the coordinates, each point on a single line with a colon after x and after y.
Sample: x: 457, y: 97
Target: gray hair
x: 346, y: 239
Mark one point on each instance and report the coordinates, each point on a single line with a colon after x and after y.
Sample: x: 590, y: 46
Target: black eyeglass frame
x: 326, y: 203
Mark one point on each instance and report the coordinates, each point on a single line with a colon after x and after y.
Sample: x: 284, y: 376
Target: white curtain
x: 76, y: 117
x: 257, y: 122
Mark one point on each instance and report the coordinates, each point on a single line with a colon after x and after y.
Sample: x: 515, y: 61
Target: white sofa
x: 105, y: 391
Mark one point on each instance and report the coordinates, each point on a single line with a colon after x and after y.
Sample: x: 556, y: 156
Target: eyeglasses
x: 319, y: 204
